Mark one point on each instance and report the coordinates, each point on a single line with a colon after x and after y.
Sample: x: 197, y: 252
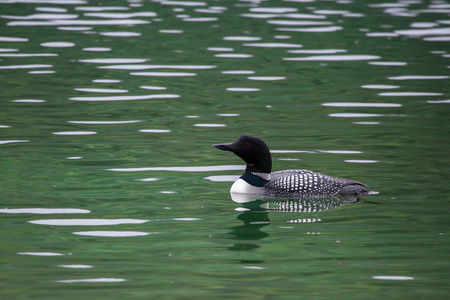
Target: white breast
x: 241, y: 186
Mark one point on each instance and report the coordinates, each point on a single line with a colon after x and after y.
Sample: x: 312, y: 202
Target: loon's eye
x: 247, y: 145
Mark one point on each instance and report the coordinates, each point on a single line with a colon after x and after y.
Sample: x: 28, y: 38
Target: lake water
x: 111, y: 189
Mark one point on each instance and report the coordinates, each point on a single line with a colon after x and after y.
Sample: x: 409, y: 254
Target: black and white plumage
x: 258, y: 179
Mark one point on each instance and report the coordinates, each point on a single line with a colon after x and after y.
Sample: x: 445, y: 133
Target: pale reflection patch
x: 58, y: 44
x: 41, y: 253
x: 355, y: 104
x: 75, y: 266
x: 125, y: 98
x: 112, y: 233
x: 92, y: 280
x: 182, y: 169
x: 104, y: 122
x: 44, y: 211
x: 121, y: 33
x: 87, y: 222
x: 75, y: 133
x: 333, y: 58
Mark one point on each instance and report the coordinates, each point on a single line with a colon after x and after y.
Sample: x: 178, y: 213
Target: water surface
x: 110, y: 186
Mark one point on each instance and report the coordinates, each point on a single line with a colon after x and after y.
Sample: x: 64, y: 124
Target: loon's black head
x: 253, y: 151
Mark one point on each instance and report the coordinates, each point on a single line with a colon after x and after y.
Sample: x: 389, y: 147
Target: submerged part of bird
x: 258, y: 178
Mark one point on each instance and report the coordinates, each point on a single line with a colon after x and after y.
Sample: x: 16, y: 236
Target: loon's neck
x: 255, y: 178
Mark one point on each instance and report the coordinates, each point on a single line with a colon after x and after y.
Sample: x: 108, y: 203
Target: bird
x: 259, y: 180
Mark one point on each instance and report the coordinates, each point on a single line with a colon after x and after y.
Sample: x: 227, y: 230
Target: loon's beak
x: 226, y: 147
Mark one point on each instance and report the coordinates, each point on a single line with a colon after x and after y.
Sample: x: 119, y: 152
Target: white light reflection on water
x: 380, y: 86
x: 41, y: 253
x: 75, y: 266
x: 233, y: 55
x: 13, y: 141
x: 312, y: 29
x: 361, y: 115
x: 44, y: 211
x: 266, y: 78
x: 121, y: 15
x: 122, y: 22
x: 150, y: 87
x: 125, y: 98
x: 333, y: 58
x: 155, y: 130
x: 240, y: 89
x: 87, y: 222
x: 393, y: 277
x: 147, y: 67
x: 97, y: 49
x: 120, y: 33
x: 75, y: 133
x: 34, y: 66
x: 209, y: 125
x: 409, y: 94
x: 92, y: 280
x: 387, y: 63
x: 164, y: 74
x: 298, y: 23
x: 92, y: 90
x: 273, y: 45
x: 28, y: 101
x: 114, y: 60
x: 318, y: 51
x: 356, y: 104
x: 112, y: 233
x: 104, y: 122
x: 417, y: 77
x: 182, y: 169
x: 242, y: 72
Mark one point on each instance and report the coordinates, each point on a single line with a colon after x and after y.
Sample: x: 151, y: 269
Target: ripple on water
x: 112, y: 233
x: 317, y: 51
x: 182, y: 169
x: 125, y: 98
x: 273, y: 45
x: 357, y: 104
x: 114, y: 60
x: 87, y: 222
x: 164, y: 74
x: 120, y: 33
x: 75, y: 133
x: 104, y: 122
x: 241, y: 89
x: 41, y: 253
x: 146, y: 67
x: 155, y: 130
x: 266, y: 78
x: 13, y: 141
x: 241, y: 38
x: 233, y: 55
x: 409, y: 94
x: 58, y: 44
x: 417, y: 77
x: 209, y: 125
x: 333, y: 58
x: 380, y: 86
x: 97, y: 49
x: 44, y: 211
x: 92, y: 280
x: 97, y: 90
x: 312, y: 29
x: 28, y: 101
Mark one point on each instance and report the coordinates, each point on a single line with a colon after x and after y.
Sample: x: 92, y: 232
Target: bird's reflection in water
x: 256, y: 209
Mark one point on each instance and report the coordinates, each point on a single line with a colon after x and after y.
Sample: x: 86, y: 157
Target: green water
x: 137, y: 202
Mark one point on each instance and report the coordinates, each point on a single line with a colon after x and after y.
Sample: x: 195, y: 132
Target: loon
x: 258, y: 179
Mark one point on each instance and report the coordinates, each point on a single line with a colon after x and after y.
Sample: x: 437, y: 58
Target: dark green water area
x: 110, y: 188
